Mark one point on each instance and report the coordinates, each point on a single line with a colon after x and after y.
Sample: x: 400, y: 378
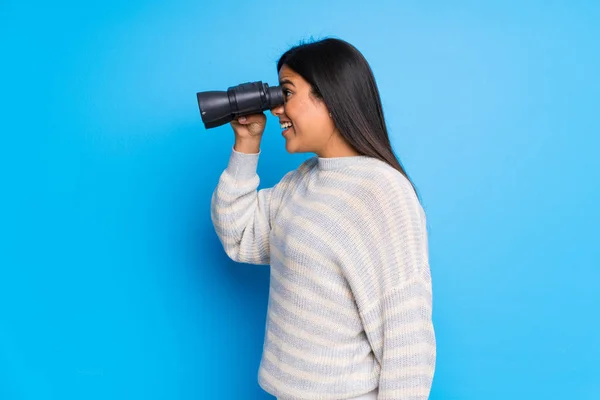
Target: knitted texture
x: 350, y: 299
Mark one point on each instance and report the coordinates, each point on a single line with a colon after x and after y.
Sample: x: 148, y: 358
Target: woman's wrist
x: 247, y: 146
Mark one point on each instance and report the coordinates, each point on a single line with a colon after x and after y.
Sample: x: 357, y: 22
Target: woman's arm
x: 240, y: 214
x: 390, y: 277
x: 402, y: 337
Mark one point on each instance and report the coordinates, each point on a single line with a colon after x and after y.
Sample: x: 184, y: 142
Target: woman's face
x: 311, y: 126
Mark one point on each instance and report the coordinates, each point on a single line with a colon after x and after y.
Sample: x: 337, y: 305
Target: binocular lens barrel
x: 219, y: 107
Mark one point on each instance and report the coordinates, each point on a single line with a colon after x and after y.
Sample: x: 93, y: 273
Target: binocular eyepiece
x: 220, y: 107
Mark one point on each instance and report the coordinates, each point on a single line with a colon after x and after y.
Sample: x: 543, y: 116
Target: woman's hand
x: 248, y: 132
x: 249, y: 126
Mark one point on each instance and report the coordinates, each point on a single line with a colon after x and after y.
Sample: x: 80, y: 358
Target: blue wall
x: 113, y: 284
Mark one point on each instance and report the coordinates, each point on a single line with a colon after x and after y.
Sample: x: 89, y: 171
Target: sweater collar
x: 329, y: 163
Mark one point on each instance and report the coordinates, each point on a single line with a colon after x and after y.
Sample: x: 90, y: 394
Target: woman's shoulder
x: 385, y: 194
x: 379, y: 177
x: 371, y: 177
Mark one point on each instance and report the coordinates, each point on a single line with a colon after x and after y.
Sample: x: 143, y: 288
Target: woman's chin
x: 290, y: 147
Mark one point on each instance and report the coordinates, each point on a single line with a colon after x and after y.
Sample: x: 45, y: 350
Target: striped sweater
x: 350, y: 301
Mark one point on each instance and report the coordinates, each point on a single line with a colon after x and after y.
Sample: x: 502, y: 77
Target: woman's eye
x: 286, y: 92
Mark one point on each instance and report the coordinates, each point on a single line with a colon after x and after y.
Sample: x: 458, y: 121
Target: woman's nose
x: 276, y: 111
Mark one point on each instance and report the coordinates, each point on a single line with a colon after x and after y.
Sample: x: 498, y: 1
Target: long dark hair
x: 341, y: 76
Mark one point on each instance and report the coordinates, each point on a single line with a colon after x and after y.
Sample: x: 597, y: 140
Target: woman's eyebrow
x: 284, y: 81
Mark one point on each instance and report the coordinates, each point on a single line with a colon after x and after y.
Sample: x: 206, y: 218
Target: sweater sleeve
x: 403, y: 340
x: 241, y: 214
x: 394, y: 294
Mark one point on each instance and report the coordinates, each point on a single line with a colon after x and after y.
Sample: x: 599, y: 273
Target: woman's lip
x: 286, y: 131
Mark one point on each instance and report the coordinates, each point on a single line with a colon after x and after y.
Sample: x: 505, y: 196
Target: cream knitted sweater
x: 350, y: 291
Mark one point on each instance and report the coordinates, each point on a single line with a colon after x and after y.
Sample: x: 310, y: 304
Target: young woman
x: 350, y: 303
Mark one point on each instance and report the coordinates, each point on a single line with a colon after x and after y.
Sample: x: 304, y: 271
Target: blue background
x: 113, y: 284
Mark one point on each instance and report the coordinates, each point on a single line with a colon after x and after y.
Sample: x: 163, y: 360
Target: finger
x: 253, y: 118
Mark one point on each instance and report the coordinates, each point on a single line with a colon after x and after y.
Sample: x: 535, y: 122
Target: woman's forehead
x: 291, y: 78
x: 286, y: 73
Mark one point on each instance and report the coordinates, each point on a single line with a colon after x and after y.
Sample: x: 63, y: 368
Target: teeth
x: 286, y: 125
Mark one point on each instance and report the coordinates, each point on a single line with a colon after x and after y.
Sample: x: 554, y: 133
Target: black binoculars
x: 220, y: 107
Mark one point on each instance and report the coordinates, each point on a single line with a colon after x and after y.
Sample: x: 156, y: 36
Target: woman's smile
x: 286, y: 126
